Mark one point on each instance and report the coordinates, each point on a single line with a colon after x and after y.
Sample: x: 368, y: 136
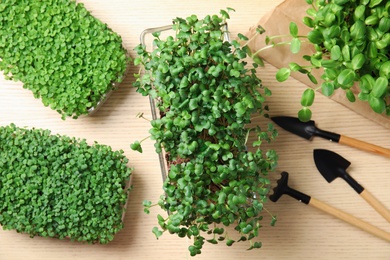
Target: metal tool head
x: 295, y: 126
x: 283, y: 188
x: 330, y: 164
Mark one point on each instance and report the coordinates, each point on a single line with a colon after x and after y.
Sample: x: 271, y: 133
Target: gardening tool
x: 308, y: 129
x: 283, y: 188
x: 331, y: 165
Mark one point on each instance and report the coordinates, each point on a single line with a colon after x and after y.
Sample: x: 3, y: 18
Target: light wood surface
x: 301, y: 232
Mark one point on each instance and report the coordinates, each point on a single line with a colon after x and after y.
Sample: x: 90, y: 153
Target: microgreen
x: 206, y: 95
x: 351, y: 40
x: 64, y: 55
x: 61, y: 187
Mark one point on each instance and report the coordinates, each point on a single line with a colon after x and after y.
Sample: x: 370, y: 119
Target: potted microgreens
x: 61, y: 187
x: 350, y: 41
x: 59, y: 51
x: 205, y: 97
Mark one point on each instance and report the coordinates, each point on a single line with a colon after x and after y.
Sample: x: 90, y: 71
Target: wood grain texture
x: 300, y: 232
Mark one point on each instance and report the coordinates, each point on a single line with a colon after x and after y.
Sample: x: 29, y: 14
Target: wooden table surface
x: 301, y: 232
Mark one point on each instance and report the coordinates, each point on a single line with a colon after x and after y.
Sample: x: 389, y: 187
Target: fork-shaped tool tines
x: 283, y: 188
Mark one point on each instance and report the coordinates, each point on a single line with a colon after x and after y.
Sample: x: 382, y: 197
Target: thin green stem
x: 270, y: 46
x: 145, y: 139
x: 266, y: 210
x: 279, y: 36
x: 254, y: 36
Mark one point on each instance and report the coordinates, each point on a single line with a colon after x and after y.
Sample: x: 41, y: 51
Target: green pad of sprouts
x: 64, y: 55
x: 61, y: 187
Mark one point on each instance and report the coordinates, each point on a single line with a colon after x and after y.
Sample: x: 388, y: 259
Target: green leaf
x: 359, y: 12
x: 225, y: 14
x: 311, y: 12
x: 358, y: 61
x: 329, y: 19
x: 312, y: 78
x: 384, y: 70
x: 377, y: 104
x: 255, y: 245
x: 157, y: 232
x: 283, y: 74
x: 137, y: 61
x: 345, y: 35
x: 273, y: 221
x: 346, y: 53
x: 340, y: 2
x: 363, y: 96
x: 309, y: 22
x: 330, y: 74
x: 372, y: 50
x: 304, y: 114
x: 293, y: 29
x: 367, y: 83
x: 350, y: 96
x: 136, y: 146
x: 230, y: 242
x: 315, y: 36
x: 193, y: 104
x: 234, y: 73
x: 335, y: 52
x: 374, y: 3
x: 267, y: 40
x: 331, y: 33
x: 212, y: 241
x: 372, y: 20
x: 327, y: 88
x: 380, y: 87
x: 384, y: 24
x: 294, y: 66
x: 295, y: 46
x: 329, y: 64
x: 358, y: 30
x: 346, y: 77
x: 307, y: 98
x: 381, y: 44
x: 146, y: 203
x: 258, y: 60
x: 315, y: 61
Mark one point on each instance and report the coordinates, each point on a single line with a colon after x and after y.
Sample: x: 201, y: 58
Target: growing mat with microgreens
x: 61, y: 187
x: 58, y: 50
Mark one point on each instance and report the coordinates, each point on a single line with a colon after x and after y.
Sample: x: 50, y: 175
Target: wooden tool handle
x: 350, y: 219
x: 367, y: 196
x: 364, y: 146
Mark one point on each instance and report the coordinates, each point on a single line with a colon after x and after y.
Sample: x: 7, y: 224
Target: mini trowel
x: 308, y: 129
x: 332, y: 165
